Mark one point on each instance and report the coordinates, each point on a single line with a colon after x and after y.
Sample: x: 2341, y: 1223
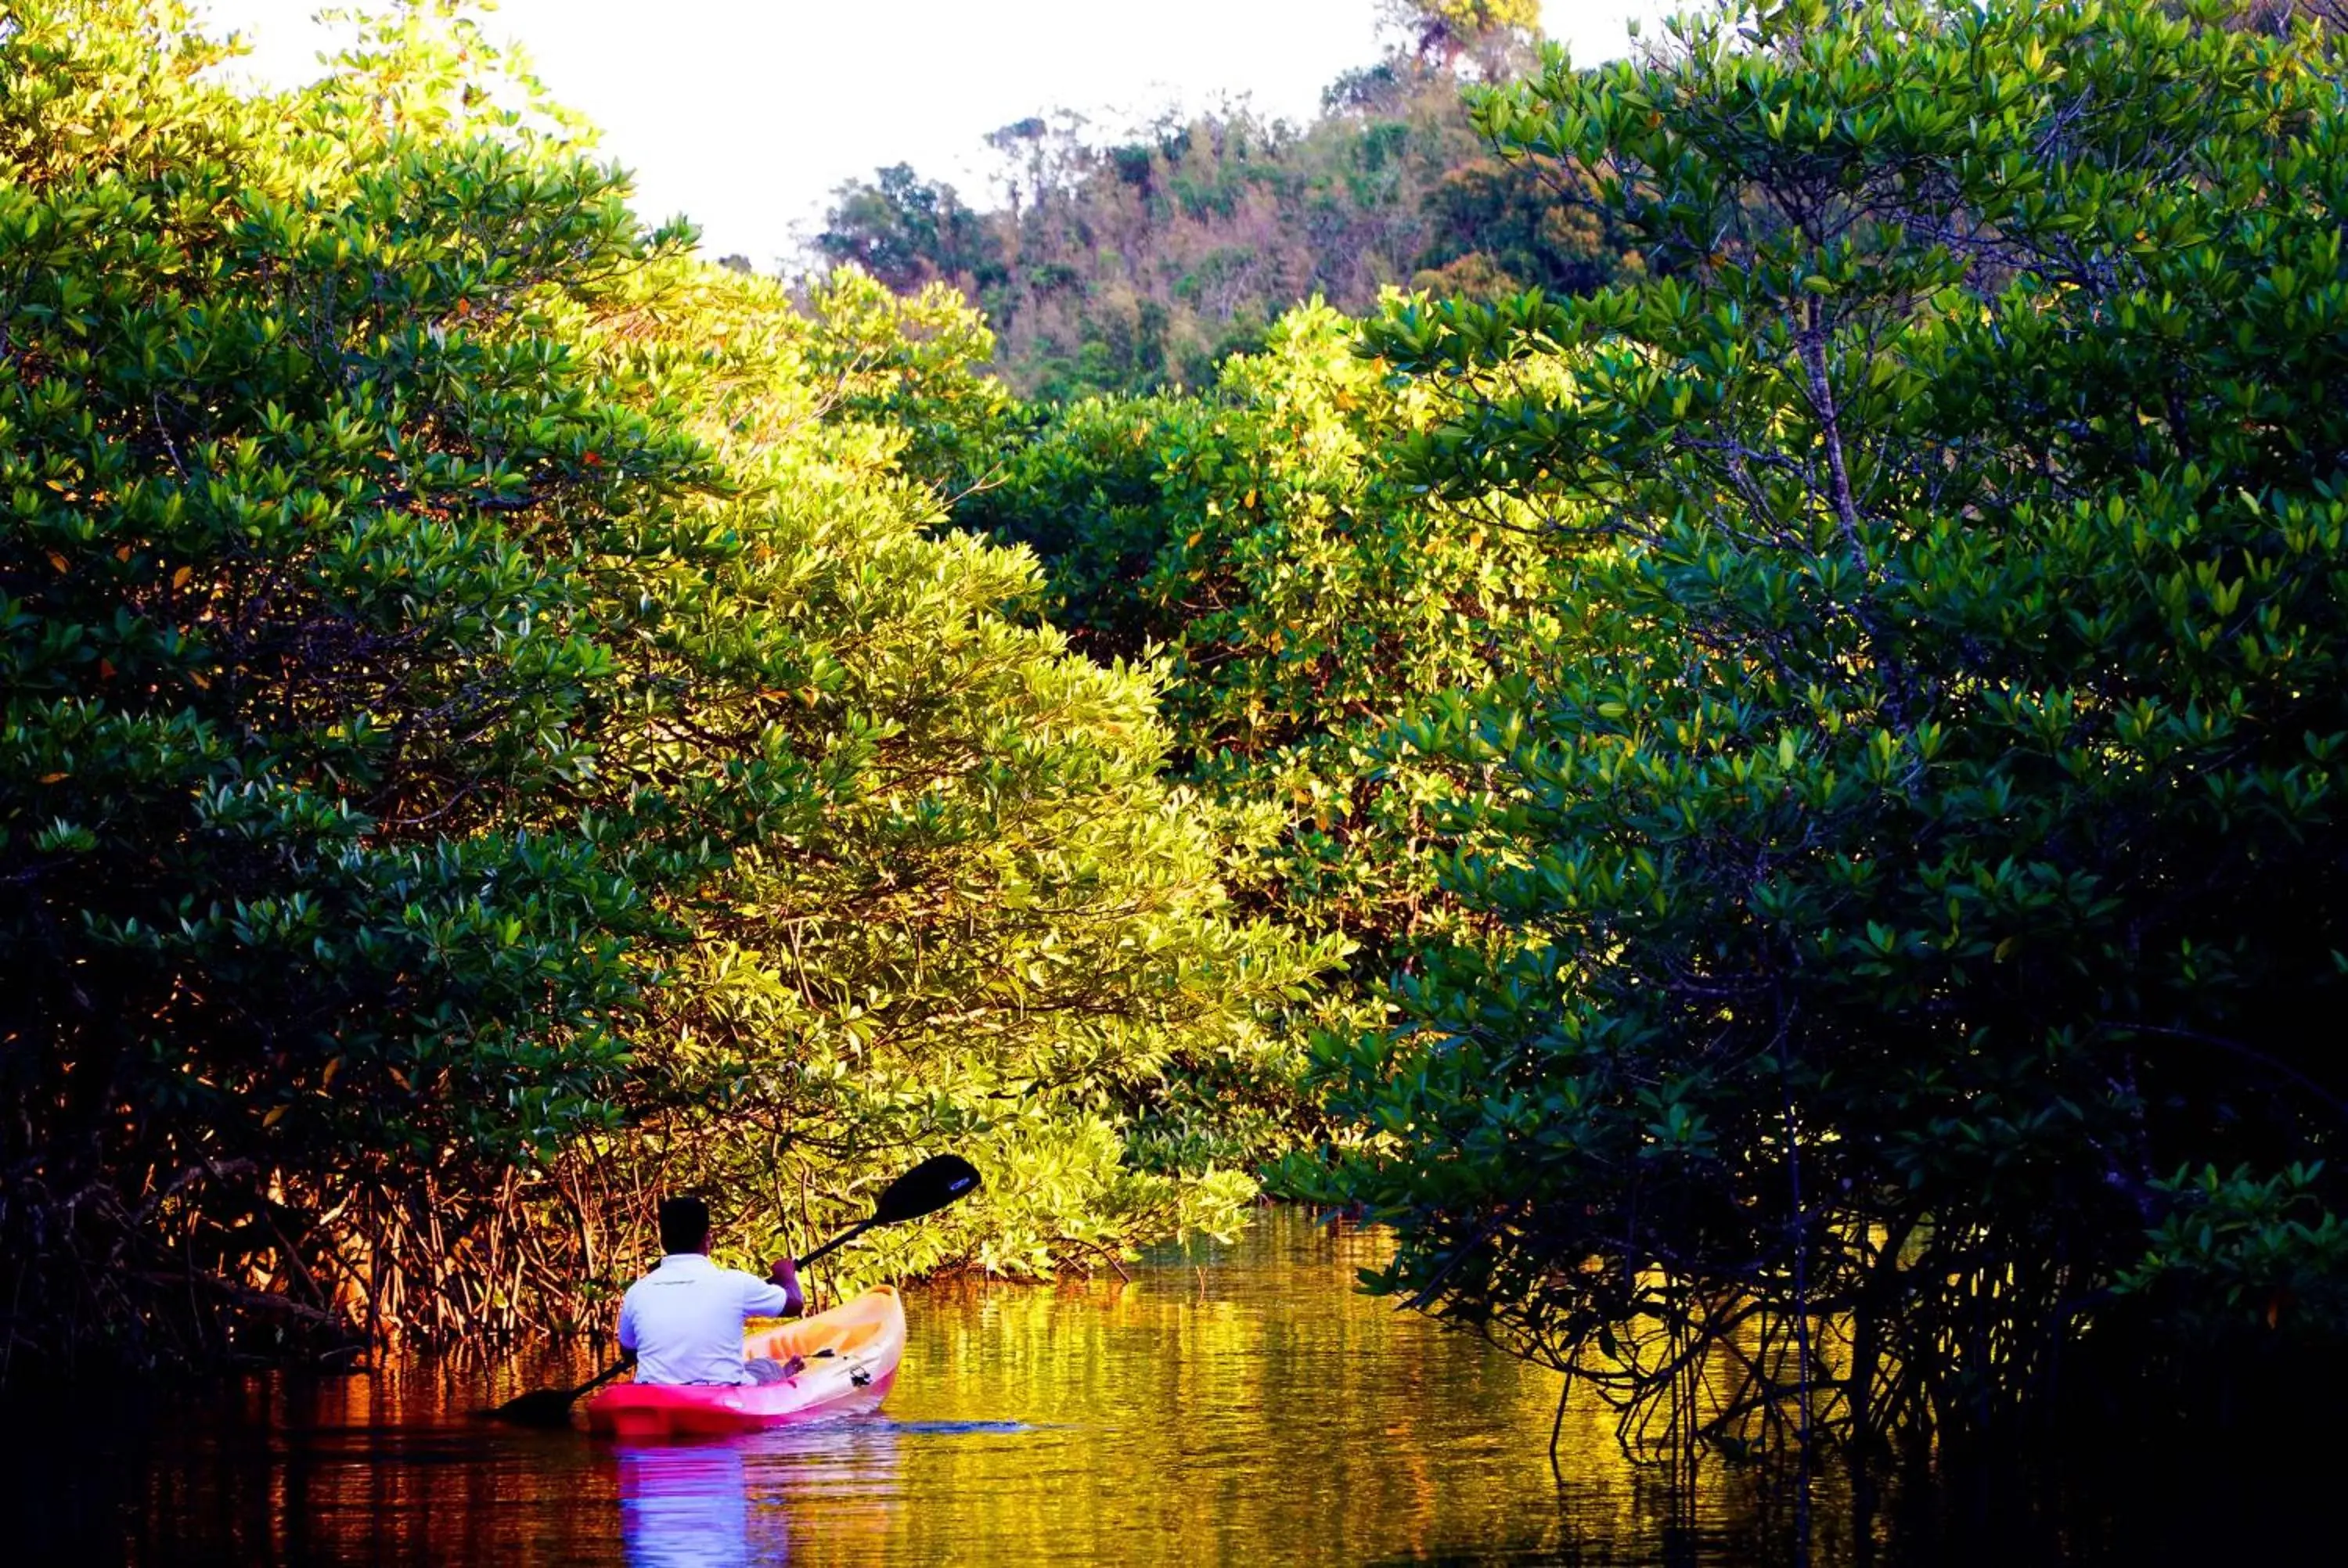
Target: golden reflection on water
x: 1238, y: 1405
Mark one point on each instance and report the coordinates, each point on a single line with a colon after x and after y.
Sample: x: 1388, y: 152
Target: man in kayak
x: 682, y: 1322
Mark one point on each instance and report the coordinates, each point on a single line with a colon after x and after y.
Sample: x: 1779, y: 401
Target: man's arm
x: 778, y: 1298
x: 627, y: 1329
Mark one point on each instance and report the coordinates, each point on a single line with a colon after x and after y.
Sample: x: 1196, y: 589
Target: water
x: 1239, y: 1405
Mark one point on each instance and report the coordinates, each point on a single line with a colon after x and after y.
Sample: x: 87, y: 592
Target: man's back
x: 684, y: 1320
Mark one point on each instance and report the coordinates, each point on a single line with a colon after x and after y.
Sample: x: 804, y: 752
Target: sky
x: 745, y: 115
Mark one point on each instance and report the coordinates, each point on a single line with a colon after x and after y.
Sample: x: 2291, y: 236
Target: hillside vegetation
x: 1143, y: 263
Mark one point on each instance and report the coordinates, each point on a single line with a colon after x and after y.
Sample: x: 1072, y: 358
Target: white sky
x: 744, y: 114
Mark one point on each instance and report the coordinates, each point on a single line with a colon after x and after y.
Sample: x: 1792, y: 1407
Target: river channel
x: 1237, y: 1404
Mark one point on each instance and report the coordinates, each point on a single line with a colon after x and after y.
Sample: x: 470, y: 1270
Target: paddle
x: 940, y: 1180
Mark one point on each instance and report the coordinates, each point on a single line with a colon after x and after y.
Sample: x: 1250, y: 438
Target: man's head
x: 684, y: 1223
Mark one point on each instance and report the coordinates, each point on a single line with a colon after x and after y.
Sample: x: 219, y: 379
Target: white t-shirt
x: 684, y: 1319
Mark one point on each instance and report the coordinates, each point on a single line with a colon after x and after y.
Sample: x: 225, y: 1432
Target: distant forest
x: 1144, y: 263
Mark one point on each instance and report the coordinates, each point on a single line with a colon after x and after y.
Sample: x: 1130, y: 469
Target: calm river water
x: 1238, y: 1405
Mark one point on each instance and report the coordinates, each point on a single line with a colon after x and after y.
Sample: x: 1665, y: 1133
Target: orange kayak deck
x: 851, y: 1354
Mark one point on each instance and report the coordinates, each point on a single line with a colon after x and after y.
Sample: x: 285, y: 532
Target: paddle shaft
x: 842, y: 1239
x: 603, y: 1376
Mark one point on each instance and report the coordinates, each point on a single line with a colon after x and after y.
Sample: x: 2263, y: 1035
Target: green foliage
x: 492, y: 727
x: 997, y: 930
x: 2240, y: 1259
x: 909, y: 369
x: 309, y: 850
x: 908, y: 234
x: 1921, y: 827
x: 1498, y: 225
x: 1298, y: 598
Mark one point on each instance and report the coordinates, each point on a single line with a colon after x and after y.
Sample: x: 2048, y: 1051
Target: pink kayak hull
x: 851, y: 1354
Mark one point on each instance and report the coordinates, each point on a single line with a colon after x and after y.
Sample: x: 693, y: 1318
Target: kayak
x: 851, y: 1354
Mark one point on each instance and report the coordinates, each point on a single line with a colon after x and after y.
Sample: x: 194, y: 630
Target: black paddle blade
x: 539, y: 1407
x: 940, y: 1180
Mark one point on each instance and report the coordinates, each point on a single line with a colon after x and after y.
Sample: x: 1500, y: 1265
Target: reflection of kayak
x: 851, y: 1351
x: 687, y: 1506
